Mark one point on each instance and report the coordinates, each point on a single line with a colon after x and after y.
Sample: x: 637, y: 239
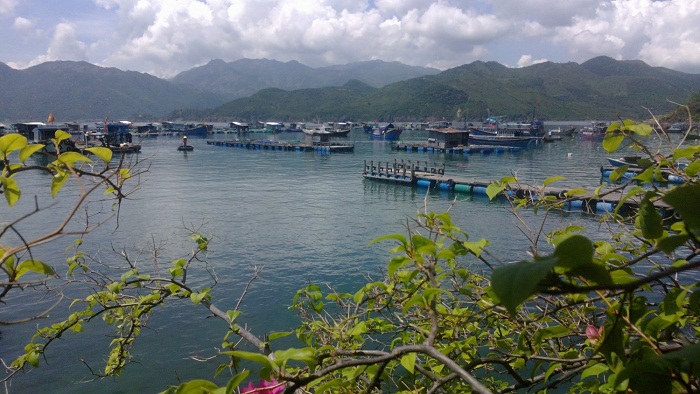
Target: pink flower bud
x: 593, y: 333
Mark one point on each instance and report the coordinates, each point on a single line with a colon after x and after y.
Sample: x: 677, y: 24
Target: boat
x: 677, y: 128
x: 562, y: 132
x: 502, y: 140
x: 189, y: 129
x: 595, y: 131
x: 551, y: 137
x: 386, y: 133
x: 116, y: 136
x: 328, y: 131
x: 185, y: 148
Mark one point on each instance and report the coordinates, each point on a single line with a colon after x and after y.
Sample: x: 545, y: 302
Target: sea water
x: 297, y: 217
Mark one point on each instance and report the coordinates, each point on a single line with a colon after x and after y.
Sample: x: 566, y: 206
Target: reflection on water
x: 303, y: 216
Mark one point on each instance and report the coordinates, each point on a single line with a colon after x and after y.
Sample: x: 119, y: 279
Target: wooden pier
x: 421, y: 174
x: 482, y: 149
x: 325, y: 147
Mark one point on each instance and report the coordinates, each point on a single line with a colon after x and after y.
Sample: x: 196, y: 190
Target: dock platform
x: 468, y: 149
x: 422, y: 174
x: 325, y: 147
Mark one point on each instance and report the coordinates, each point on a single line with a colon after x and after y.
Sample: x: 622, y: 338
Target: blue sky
x: 166, y: 37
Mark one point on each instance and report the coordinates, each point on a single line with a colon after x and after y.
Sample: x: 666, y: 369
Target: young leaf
x: 69, y: 158
x: 11, y: 190
x: 103, y: 153
x: 408, y: 361
x: 28, y: 150
x: 34, y: 266
x: 11, y: 142
x: 552, y: 179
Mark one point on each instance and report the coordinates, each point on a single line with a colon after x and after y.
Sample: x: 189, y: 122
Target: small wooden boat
x: 185, y: 148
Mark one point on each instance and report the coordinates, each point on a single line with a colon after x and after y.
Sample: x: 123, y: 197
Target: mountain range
x: 262, y: 89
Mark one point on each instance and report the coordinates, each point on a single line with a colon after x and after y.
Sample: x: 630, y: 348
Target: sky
x: 166, y: 37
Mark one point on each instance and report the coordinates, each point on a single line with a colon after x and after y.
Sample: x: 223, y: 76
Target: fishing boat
x: 327, y: 131
x: 188, y: 129
x: 185, y: 148
x: 386, y: 133
x: 562, y: 132
x: 595, y: 131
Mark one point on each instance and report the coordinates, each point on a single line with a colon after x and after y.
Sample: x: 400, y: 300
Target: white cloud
x: 7, y: 7
x: 167, y: 37
x: 526, y: 60
x: 63, y: 46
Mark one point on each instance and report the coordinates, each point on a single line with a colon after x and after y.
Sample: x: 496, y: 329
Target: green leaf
x: 408, y: 361
x: 69, y: 158
x: 552, y: 179
x: 476, y: 247
x: 494, y: 189
x: 58, y: 180
x: 61, y: 135
x: 327, y: 386
x: 612, y: 141
x: 515, y: 283
x: 684, y: 199
x: 103, y: 153
x: 277, y: 335
x: 306, y: 355
x: 550, y: 332
x: 641, y: 129
x: 197, y: 386
x: 34, y: 266
x: 254, y: 357
x: 11, y: 142
x: 573, y: 250
x: 11, y: 190
x: 28, y: 150
x: 649, y: 219
x: 236, y: 381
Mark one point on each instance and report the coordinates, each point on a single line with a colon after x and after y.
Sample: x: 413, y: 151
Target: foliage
x: 616, y: 314
x: 19, y: 269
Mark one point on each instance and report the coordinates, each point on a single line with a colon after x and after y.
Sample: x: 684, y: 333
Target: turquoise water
x: 302, y: 217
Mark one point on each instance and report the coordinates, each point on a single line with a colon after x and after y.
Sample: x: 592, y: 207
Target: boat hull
x: 519, y: 142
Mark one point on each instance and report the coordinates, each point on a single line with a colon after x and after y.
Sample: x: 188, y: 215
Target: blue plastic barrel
x: 423, y: 183
x: 603, y: 207
x: 575, y: 205
x: 479, y: 190
x: 446, y: 185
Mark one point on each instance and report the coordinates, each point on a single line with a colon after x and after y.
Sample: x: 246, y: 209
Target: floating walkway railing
x: 421, y: 174
x: 325, y: 147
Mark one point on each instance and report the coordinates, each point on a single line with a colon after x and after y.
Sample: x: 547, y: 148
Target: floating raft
x: 421, y: 174
x: 326, y: 147
x: 632, y: 172
x: 483, y: 149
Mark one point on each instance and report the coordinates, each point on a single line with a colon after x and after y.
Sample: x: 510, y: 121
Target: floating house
x: 448, y: 138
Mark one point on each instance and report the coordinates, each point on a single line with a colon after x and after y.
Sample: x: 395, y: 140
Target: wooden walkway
x: 324, y: 147
x: 483, y: 149
x: 433, y: 176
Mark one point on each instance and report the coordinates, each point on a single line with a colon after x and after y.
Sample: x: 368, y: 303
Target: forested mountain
x: 83, y: 91
x: 245, y: 77
x: 601, y: 88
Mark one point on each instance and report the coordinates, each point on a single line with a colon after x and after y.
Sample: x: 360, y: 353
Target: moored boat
x: 502, y: 140
x: 189, y: 129
x: 387, y: 133
x: 595, y: 131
